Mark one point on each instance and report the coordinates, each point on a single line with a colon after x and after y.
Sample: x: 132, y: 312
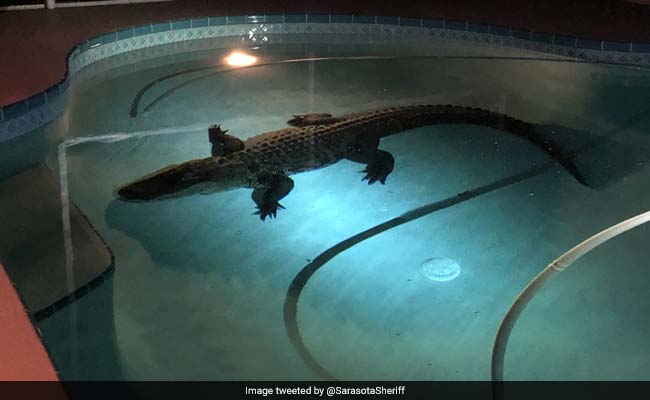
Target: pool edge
x: 37, y: 110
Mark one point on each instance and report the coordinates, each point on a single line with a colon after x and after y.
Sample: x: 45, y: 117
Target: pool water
x: 200, y: 285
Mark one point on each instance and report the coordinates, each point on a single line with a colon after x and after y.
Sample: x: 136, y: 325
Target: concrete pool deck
x: 39, y: 62
x: 22, y: 353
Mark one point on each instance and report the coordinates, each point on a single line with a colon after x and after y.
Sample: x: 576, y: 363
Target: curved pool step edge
x: 76, y: 295
x: 46, y: 273
x: 88, y: 287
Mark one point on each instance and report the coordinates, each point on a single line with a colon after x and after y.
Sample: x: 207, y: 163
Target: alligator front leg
x: 270, y: 189
x: 379, y: 163
x: 223, y: 144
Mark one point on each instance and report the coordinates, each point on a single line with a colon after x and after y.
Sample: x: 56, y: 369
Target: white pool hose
x: 557, y: 266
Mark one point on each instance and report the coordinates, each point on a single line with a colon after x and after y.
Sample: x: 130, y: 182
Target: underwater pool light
x: 440, y: 269
x: 240, y: 59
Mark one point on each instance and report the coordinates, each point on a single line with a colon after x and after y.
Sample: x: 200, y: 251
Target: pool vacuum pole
x: 557, y: 266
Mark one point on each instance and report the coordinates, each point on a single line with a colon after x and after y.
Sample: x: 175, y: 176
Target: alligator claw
x: 268, y: 210
x: 374, y: 174
x: 379, y: 167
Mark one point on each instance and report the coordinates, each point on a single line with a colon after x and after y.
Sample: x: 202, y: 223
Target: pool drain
x: 440, y: 269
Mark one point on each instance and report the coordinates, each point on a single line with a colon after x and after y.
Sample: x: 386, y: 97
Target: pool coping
x: 37, y: 110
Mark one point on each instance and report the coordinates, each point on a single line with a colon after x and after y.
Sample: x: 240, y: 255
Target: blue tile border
x: 91, y: 43
x: 341, y: 18
x: 274, y: 18
x: 52, y: 92
x: 236, y: 20
x: 565, y: 40
x: 109, y: 37
x: 387, y: 20
x: 142, y: 30
x: 63, y: 85
x: 363, y: 19
x: 542, y: 37
x: 255, y: 19
x: 295, y: 18
x: 630, y: 53
x: 14, y: 110
x: 456, y: 25
x: 199, y: 22
x: 36, y: 101
x: 433, y: 23
x: 640, y: 47
x: 406, y: 21
x: 161, y: 27
x: 500, y: 30
x: 182, y: 24
x: 616, y: 46
x: 521, y: 34
x: 589, y: 44
x: 318, y: 18
x: 478, y: 28
x: 124, y: 34
x: 216, y: 21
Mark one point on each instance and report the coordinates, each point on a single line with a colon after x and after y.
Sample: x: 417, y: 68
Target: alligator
x: 264, y: 162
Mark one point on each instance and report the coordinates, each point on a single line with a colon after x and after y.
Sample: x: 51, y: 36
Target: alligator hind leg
x: 268, y: 192
x: 379, y: 163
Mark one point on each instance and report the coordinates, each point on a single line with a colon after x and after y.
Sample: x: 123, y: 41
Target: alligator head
x: 201, y: 176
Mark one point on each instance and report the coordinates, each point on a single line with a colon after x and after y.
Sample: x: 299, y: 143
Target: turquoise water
x: 200, y: 283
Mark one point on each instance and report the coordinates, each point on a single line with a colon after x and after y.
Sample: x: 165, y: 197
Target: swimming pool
x: 340, y: 284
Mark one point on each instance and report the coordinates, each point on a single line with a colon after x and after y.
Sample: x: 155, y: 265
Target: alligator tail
x: 534, y: 133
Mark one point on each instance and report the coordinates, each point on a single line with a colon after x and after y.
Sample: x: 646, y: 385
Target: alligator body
x: 264, y: 162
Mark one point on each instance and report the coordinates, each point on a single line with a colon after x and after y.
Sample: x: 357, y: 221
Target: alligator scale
x: 264, y: 162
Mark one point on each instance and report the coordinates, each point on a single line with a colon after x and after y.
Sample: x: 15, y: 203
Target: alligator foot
x: 267, y: 195
x: 379, y: 163
x: 379, y: 167
x: 269, y: 209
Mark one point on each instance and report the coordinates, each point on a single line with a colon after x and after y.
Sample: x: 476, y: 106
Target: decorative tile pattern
x: 32, y: 119
x: 37, y: 110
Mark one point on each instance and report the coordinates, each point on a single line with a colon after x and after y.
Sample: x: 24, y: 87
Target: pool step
x: 32, y: 244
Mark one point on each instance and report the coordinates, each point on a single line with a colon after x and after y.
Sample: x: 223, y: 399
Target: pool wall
x: 28, y: 114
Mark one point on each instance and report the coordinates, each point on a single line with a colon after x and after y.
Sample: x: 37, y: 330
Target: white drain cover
x: 440, y: 269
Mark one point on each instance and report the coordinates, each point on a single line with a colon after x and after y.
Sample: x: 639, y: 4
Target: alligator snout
x: 157, y: 185
x: 134, y: 192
